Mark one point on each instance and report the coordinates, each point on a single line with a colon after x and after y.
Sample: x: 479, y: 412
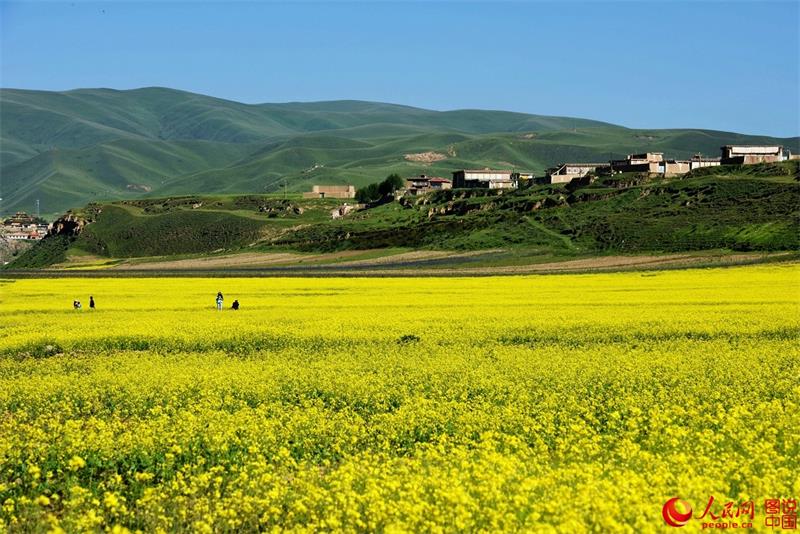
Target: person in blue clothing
x: 219, y: 300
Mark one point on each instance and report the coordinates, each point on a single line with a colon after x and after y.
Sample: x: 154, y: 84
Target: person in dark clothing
x: 235, y: 305
x: 91, y: 302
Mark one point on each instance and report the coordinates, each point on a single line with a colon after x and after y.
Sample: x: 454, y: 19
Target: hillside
x: 70, y: 148
x: 748, y: 208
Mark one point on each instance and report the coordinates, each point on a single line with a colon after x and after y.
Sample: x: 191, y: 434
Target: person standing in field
x: 219, y: 300
x: 91, y: 302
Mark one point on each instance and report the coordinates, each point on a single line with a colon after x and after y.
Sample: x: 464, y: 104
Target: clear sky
x: 718, y: 65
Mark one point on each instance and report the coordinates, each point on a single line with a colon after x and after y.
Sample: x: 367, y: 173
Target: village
x: 24, y: 227
x: 651, y: 163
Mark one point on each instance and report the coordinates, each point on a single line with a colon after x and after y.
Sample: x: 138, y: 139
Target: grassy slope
x: 71, y: 147
x: 292, y: 160
x: 123, y: 234
x: 736, y: 208
x: 125, y: 168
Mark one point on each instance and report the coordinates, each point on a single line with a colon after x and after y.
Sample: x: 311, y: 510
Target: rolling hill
x: 732, y: 208
x: 69, y: 148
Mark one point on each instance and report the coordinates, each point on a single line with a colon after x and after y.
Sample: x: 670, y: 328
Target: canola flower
x: 569, y: 403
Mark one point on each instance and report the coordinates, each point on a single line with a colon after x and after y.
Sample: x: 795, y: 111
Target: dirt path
x: 253, y: 260
x: 216, y: 262
x: 414, y: 256
x: 411, y: 263
x: 604, y: 263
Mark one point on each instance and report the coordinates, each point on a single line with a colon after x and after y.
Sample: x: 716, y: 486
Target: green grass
x: 110, y: 145
x: 46, y: 252
x: 757, y: 210
x: 119, y: 234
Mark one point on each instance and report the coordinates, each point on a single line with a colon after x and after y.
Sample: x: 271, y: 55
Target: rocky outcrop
x: 278, y: 209
x: 11, y: 248
x: 342, y: 211
x: 69, y: 225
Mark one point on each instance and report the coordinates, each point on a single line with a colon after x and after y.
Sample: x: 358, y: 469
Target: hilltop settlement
x: 577, y: 208
x: 650, y: 163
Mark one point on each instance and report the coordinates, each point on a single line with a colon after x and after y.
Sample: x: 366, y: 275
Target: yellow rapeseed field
x: 564, y: 403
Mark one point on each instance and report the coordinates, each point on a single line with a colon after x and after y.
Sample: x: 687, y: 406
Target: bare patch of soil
x: 605, y: 263
x: 425, y: 157
x: 413, y: 256
x: 215, y: 262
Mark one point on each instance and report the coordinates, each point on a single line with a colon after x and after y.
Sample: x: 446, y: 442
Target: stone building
x: 749, y: 154
x: 650, y: 162
x: 331, y: 191
x: 419, y: 185
x: 566, y: 172
x: 485, y: 178
x: 699, y: 161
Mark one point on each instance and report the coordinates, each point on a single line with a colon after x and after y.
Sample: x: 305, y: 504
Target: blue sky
x: 718, y: 65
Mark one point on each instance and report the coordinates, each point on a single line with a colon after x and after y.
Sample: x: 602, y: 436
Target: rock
x: 70, y: 225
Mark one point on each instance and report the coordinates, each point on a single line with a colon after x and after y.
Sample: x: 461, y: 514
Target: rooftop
x: 584, y: 164
x: 751, y: 146
x: 485, y: 171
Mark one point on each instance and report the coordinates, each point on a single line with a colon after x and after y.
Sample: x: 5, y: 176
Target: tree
x: 368, y: 194
x: 392, y: 183
x: 378, y: 191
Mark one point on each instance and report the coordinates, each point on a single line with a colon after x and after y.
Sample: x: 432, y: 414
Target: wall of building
x: 577, y: 170
x: 331, y: 191
x: 697, y: 164
x: 561, y: 178
x: 488, y: 179
x: 675, y: 168
x: 733, y: 150
x: 751, y: 159
x: 487, y: 176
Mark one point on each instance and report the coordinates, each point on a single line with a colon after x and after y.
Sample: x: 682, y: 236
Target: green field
x: 110, y: 145
x: 752, y: 208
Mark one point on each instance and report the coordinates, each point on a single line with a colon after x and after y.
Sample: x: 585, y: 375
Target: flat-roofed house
x: 699, y: 161
x: 419, y: 185
x: 485, y: 178
x: 749, y: 154
x: 331, y: 191
x: 647, y: 162
x: 676, y: 167
x: 566, y: 172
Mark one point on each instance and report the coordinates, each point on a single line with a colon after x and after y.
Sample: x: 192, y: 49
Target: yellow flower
x: 75, y: 463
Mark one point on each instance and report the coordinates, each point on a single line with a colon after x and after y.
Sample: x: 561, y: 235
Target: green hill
x: 69, y: 148
x: 747, y: 208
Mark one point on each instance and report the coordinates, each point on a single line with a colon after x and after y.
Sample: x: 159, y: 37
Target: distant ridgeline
x: 66, y: 149
x: 736, y: 207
